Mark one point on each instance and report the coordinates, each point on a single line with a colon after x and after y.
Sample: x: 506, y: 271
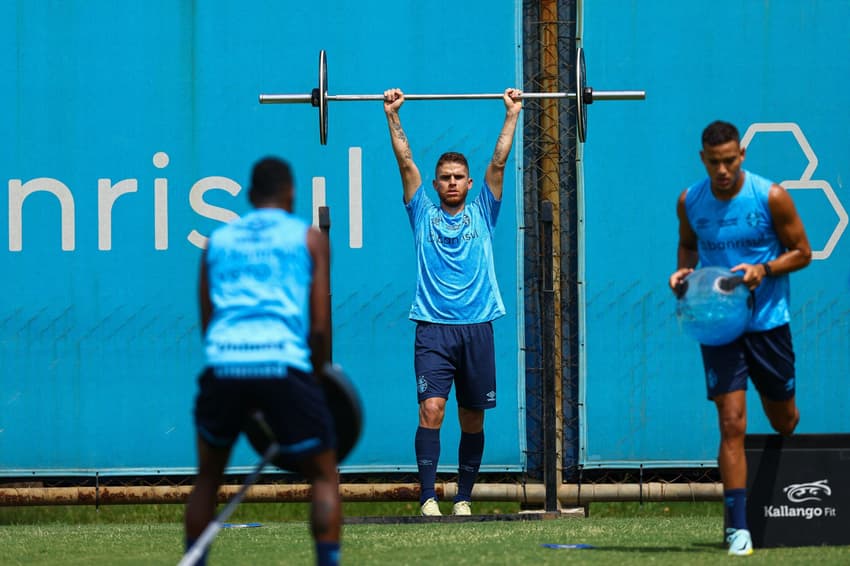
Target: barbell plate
x: 323, y: 97
x: 581, y: 107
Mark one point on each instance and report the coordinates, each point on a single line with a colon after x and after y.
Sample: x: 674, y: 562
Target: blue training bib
x: 260, y: 273
x: 740, y: 230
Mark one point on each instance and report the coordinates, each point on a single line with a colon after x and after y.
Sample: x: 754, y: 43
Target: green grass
x: 623, y: 534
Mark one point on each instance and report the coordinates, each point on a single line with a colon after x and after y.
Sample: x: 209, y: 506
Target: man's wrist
x: 768, y: 272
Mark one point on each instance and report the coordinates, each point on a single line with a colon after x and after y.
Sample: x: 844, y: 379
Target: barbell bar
x: 319, y: 97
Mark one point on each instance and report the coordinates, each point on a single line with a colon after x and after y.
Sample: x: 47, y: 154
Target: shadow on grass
x: 714, y: 545
x: 695, y: 548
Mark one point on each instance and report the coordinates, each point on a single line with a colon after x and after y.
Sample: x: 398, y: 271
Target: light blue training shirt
x: 740, y: 230
x: 456, y: 276
x: 260, y: 273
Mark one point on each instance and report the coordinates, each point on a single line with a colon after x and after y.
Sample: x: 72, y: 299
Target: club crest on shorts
x: 711, y: 378
x: 421, y: 384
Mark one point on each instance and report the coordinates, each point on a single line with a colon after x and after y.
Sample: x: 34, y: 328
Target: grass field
x: 622, y: 534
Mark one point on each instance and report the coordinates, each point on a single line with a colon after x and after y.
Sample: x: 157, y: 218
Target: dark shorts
x: 765, y: 357
x: 294, y: 408
x: 463, y: 354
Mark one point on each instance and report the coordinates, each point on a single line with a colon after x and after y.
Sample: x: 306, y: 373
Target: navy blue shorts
x: 766, y: 357
x: 293, y: 406
x: 463, y: 354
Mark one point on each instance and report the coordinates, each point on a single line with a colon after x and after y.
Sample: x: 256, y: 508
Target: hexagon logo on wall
x: 805, y: 181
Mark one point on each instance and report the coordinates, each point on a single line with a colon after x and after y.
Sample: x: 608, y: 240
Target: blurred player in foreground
x: 265, y: 315
x: 738, y: 220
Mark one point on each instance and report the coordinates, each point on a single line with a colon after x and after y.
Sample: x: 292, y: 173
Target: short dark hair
x: 269, y: 178
x: 720, y: 132
x: 452, y: 157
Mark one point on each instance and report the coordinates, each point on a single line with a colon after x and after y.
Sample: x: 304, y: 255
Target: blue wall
x: 157, y: 102
x: 749, y: 63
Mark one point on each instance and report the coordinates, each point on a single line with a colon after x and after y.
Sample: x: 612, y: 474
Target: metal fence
x: 549, y: 161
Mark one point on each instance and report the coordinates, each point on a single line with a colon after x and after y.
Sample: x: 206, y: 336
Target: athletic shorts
x: 463, y: 354
x: 293, y: 406
x: 766, y: 357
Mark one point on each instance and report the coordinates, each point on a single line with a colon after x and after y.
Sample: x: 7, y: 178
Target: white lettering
x: 318, y: 198
x: 783, y: 511
x: 196, y: 199
x: 107, y: 194
x: 18, y: 192
x: 355, y: 197
x: 160, y: 203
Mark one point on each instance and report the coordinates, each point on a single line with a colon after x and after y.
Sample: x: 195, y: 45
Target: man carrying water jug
x: 738, y: 220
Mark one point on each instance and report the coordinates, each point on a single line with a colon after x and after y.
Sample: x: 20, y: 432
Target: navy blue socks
x: 735, y: 507
x: 427, y: 456
x: 469, y: 456
x: 327, y: 553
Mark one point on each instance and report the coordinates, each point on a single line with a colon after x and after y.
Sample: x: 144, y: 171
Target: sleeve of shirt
x: 489, y: 206
x: 416, y: 207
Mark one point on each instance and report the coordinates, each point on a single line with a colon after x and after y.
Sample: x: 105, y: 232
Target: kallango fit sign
x: 799, y: 489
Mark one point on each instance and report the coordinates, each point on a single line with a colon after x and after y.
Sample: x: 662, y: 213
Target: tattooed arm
x: 496, y: 170
x: 411, y: 180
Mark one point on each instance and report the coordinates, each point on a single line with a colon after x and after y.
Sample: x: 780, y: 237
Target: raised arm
x: 495, y: 174
x: 411, y: 179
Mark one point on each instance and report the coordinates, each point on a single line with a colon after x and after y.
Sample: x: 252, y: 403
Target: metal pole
x: 568, y: 493
x: 325, y: 227
x: 213, y: 527
x: 550, y: 452
x: 306, y: 98
x: 597, y: 95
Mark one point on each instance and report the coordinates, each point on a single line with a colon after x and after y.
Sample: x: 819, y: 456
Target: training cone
x: 713, y: 306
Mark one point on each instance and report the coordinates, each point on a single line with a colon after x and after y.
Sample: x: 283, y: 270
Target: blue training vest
x: 456, y: 276
x: 260, y: 273
x: 740, y: 230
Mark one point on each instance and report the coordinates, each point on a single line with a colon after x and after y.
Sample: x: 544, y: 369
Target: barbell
x: 584, y: 95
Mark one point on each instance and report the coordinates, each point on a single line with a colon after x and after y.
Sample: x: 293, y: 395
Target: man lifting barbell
x: 456, y: 299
